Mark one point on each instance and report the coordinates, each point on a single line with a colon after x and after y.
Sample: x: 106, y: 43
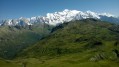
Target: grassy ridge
x: 91, y: 39
x: 84, y: 43
x: 75, y: 37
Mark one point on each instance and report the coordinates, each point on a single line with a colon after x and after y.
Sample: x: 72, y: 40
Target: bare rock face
x: 98, y: 57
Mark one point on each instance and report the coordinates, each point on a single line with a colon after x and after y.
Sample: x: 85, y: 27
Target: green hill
x: 76, y: 36
x: 84, y: 43
x: 15, y: 38
x: 89, y: 42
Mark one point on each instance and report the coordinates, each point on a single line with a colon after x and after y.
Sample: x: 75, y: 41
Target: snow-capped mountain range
x: 60, y: 17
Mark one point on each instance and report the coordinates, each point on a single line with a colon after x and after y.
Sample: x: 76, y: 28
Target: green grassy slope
x: 85, y: 43
x: 68, y: 60
x: 14, y: 39
x: 82, y: 43
x: 75, y: 37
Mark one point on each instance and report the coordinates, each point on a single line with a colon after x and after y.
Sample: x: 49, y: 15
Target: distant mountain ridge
x: 60, y: 17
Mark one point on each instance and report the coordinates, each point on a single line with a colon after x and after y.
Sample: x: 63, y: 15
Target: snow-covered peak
x: 107, y: 14
x: 92, y: 14
x: 69, y: 15
x: 57, y: 18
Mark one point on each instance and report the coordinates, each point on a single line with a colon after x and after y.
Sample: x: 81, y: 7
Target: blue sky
x: 10, y: 9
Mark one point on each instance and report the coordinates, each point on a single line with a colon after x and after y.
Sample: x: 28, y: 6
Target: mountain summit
x: 60, y: 17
